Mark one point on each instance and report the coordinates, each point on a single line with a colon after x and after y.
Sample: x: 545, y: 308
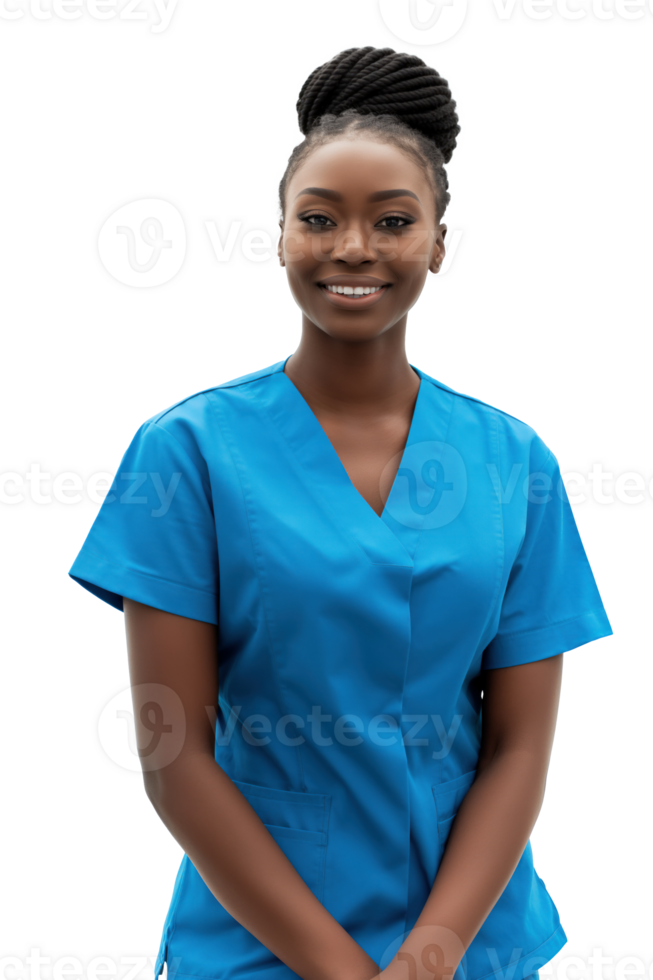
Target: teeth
x: 354, y: 291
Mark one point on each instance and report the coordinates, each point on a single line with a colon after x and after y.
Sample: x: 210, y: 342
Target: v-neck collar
x: 390, y: 538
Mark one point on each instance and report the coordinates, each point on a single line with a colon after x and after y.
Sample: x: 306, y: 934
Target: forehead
x: 359, y: 167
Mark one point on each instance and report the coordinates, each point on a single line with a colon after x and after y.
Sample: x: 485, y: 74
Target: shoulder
x: 192, y: 422
x: 518, y: 438
x: 194, y: 405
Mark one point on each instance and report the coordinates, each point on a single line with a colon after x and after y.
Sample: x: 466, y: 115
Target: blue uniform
x: 351, y: 646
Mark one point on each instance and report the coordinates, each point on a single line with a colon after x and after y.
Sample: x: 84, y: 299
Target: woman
x: 387, y: 573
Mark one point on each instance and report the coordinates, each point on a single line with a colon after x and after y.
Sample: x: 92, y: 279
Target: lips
x: 353, y: 292
x: 354, y: 281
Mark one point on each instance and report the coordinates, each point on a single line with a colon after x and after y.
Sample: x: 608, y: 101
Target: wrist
x: 362, y: 967
x: 429, y: 952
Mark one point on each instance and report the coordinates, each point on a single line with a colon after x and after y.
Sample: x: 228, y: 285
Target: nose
x: 353, y: 247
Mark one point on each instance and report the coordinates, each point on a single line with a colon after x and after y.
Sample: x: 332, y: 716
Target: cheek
x: 415, y: 249
x: 294, y: 247
x: 303, y: 250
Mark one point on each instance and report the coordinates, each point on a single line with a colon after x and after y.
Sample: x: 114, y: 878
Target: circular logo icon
x: 423, y: 21
x: 431, y: 949
x: 429, y: 488
x: 159, y: 732
x: 143, y: 243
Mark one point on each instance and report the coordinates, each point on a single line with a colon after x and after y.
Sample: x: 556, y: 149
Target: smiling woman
x: 335, y: 550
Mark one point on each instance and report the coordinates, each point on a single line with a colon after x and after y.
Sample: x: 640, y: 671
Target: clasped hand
x: 427, y: 953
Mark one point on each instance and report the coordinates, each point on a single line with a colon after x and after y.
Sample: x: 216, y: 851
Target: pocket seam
x: 440, y: 792
x: 441, y: 789
x: 290, y: 795
x: 296, y: 833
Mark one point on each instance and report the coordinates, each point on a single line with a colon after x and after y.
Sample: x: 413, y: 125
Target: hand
x: 428, y: 953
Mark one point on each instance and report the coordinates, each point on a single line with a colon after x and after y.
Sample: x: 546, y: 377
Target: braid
x: 314, y: 98
x: 394, y: 97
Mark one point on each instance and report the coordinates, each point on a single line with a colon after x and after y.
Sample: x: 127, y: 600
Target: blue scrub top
x: 351, y: 646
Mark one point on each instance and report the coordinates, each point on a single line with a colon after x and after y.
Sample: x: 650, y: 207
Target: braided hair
x: 391, y: 97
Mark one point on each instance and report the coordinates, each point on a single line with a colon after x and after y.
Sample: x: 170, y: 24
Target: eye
x: 317, y: 220
x: 392, y: 218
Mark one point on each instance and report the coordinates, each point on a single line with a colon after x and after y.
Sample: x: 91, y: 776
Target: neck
x: 358, y: 377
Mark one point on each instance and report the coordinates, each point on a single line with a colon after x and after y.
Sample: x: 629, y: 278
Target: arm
x: 210, y: 818
x: 492, y: 827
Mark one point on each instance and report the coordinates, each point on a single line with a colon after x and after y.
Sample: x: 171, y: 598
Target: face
x: 359, y: 237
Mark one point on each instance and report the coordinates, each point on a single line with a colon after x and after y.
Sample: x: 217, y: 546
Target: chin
x: 351, y: 328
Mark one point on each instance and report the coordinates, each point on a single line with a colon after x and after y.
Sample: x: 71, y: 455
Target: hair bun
x: 381, y: 81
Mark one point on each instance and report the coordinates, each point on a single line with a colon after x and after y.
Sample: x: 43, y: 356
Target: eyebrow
x: 378, y: 196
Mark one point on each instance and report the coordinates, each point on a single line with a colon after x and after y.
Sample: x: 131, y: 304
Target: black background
x: 541, y: 313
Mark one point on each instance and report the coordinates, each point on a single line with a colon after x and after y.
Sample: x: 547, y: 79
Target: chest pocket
x: 448, y: 797
x: 299, y: 823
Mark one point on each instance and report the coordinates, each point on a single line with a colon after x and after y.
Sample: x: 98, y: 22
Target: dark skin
x: 351, y: 368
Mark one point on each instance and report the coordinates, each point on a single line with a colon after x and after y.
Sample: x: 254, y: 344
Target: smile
x: 349, y: 296
x: 354, y: 290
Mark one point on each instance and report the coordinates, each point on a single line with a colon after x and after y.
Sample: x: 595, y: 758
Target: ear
x: 282, y: 260
x: 438, y: 253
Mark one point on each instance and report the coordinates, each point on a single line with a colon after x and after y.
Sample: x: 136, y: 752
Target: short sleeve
x: 154, y: 538
x: 551, y: 603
